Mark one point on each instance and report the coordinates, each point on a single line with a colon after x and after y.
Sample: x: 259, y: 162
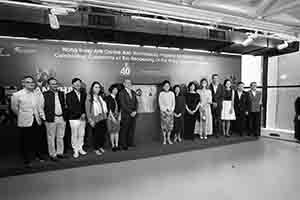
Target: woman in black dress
x: 191, y: 101
x: 178, y: 114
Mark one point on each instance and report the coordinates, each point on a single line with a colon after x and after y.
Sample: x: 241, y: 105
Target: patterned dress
x: 167, y: 103
x: 205, y: 123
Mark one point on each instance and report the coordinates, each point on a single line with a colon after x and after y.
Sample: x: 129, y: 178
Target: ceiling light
x: 59, y: 11
x: 248, y: 41
x: 284, y: 45
x: 54, y: 24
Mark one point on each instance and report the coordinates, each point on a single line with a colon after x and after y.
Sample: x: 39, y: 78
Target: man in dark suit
x: 241, y: 106
x: 216, y: 107
x: 128, y: 105
x: 297, y: 119
x: 255, y: 98
x: 76, y: 113
x: 55, y: 113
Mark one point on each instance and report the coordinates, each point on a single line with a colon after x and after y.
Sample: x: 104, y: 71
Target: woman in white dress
x: 227, y: 113
x: 205, y: 122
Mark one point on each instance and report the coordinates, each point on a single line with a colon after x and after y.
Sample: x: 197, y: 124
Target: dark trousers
x: 297, y: 128
x: 240, y: 123
x: 216, y: 117
x: 99, y: 134
x: 31, y: 142
x: 254, y: 123
x: 127, y: 131
x: 189, y: 126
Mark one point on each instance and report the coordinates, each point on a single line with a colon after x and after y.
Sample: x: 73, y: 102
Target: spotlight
x: 284, y: 45
x: 54, y: 24
x: 248, y: 41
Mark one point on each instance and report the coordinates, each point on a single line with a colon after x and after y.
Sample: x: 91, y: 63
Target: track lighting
x: 284, y: 45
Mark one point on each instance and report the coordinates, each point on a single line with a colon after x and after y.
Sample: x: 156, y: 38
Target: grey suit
x: 255, y: 112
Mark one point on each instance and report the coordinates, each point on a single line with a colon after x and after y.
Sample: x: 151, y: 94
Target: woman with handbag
x: 114, y: 116
x: 96, y: 111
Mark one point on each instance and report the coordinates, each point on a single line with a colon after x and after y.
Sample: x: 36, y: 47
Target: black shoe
x: 61, y: 156
x: 28, y: 164
x: 114, y: 149
x: 40, y: 159
x: 54, y: 159
x: 118, y: 148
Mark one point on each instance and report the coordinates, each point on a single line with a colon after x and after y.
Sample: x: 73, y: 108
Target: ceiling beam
x: 193, y: 14
x: 283, y: 8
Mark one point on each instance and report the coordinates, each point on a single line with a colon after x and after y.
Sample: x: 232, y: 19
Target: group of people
x: 200, y: 111
x: 209, y: 109
x: 54, y: 108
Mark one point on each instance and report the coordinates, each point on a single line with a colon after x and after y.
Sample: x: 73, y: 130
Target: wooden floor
x: 261, y: 169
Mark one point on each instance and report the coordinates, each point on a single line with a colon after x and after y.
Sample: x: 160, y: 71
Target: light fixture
x: 250, y: 39
x: 284, y: 45
x: 53, y: 20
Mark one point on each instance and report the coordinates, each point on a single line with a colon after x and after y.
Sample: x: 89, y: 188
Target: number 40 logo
x: 125, y: 71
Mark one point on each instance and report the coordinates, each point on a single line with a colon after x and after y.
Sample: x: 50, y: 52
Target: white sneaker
x: 102, y: 150
x: 76, y: 154
x: 98, y: 152
x: 82, y: 152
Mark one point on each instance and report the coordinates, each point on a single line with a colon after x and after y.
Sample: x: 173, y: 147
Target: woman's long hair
x: 201, y: 81
x: 91, y: 93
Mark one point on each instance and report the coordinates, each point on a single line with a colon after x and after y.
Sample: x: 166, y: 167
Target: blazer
x: 241, y: 105
x: 49, y: 106
x: 127, y: 104
x: 21, y: 105
x: 297, y: 106
x: 255, y: 101
x: 217, y: 97
x: 75, y: 108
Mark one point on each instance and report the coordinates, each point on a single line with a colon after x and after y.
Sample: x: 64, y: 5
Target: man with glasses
x: 27, y: 104
x: 55, y: 113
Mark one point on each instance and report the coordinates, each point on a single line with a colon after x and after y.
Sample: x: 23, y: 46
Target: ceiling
x: 274, y: 20
x: 286, y: 12
x: 274, y: 16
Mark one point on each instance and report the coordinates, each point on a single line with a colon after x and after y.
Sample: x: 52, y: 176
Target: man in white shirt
x: 77, y: 116
x: 27, y: 104
x: 216, y: 107
x: 241, y: 108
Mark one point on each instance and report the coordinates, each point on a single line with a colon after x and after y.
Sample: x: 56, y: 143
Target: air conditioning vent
x: 101, y: 20
x: 216, y: 34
